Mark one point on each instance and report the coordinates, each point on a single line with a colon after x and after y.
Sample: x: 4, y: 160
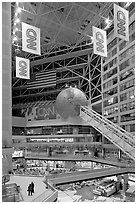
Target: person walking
x: 32, y: 187
x: 29, y: 189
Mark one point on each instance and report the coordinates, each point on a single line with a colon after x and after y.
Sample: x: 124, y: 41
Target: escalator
x: 118, y: 136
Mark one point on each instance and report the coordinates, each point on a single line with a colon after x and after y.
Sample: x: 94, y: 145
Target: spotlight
x: 107, y: 21
x: 17, y: 20
x: 15, y: 38
x: 18, y: 10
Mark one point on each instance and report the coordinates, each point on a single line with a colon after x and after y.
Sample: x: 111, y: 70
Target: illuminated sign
x: 17, y: 154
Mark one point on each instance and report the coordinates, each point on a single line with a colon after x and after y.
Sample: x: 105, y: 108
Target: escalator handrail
x: 116, y: 129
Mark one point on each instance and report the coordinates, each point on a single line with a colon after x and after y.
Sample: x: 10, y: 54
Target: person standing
x: 29, y: 189
x: 32, y: 187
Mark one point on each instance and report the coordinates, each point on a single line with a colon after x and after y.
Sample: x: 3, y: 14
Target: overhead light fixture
x: 15, y: 30
x: 18, y: 10
x: 17, y: 20
x: 107, y: 21
x: 15, y: 38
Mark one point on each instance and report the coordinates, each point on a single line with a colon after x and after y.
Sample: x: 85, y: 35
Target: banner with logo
x: 99, y: 42
x: 31, y: 39
x: 121, y: 22
x: 22, y: 68
x: 46, y: 112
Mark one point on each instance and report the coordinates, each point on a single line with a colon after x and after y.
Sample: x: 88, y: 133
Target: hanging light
x: 107, y: 21
x: 15, y: 38
x: 15, y: 30
x: 18, y: 10
x: 17, y: 20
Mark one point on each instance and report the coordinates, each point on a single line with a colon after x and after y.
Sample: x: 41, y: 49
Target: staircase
x: 118, y: 136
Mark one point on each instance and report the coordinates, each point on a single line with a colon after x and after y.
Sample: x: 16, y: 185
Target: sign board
x: 22, y: 68
x: 121, y: 22
x: 31, y: 39
x: 99, y: 42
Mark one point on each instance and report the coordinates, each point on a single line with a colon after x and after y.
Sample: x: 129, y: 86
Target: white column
x: 6, y: 89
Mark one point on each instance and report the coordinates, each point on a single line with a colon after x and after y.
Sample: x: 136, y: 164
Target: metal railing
x: 109, y: 130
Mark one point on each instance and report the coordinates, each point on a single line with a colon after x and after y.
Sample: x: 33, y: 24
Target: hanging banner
x: 121, y: 22
x: 22, y: 68
x: 99, y: 42
x: 31, y: 39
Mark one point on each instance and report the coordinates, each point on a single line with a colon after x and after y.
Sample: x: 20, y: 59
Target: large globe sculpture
x: 68, y: 102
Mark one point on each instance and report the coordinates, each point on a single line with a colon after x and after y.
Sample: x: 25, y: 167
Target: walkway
x: 88, y: 175
x: 23, y: 182
x: 84, y: 158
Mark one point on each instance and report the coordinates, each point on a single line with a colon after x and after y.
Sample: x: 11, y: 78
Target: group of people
x: 30, y: 188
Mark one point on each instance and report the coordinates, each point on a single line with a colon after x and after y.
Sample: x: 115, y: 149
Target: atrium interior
x: 68, y: 122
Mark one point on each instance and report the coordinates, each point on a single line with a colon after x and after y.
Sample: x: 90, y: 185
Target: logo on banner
x: 46, y: 112
x: 121, y: 22
x: 30, y: 39
x: 99, y: 42
x: 22, y: 68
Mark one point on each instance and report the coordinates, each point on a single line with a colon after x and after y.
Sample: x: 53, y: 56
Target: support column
x: 119, y: 154
x: 6, y: 89
x: 103, y: 152
x: 119, y: 180
x: 125, y: 187
x: 89, y: 60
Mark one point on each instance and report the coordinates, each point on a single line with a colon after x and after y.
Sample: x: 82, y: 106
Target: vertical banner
x: 121, y: 22
x: 99, y: 42
x: 22, y: 68
x: 30, y: 39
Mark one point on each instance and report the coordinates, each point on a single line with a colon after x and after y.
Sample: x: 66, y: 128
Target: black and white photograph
x: 68, y: 101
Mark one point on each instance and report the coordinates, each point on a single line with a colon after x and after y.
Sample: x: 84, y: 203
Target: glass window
x: 123, y: 97
x: 132, y: 37
x: 132, y: 127
x: 124, y: 65
x: 122, y: 45
x: 110, y: 101
x: 112, y: 44
x: 127, y: 74
x: 114, y: 51
x: 127, y: 85
x: 132, y: 27
x: 105, y: 67
x: 132, y: 105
